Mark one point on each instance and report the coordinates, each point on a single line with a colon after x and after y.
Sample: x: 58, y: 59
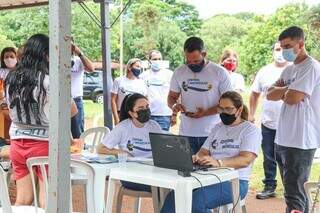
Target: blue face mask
x: 155, y: 66
x: 196, y: 67
x: 136, y: 72
x: 289, y: 54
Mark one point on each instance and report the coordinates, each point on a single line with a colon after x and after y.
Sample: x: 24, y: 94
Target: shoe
x: 268, y: 191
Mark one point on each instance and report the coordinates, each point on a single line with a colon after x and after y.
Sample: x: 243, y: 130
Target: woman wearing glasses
x: 233, y: 143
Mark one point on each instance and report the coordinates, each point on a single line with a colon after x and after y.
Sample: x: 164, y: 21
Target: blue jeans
x: 209, y: 197
x: 77, y: 122
x: 294, y: 166
x: 269, y: 161
x: 196, y: 143
x: 136, y: 186
x: 163, y: 121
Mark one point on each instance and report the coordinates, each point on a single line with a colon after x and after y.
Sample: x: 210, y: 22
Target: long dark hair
x: 128, y: 104
x: 30, y: 74
x: 4, y: 51
x: 237, y: 101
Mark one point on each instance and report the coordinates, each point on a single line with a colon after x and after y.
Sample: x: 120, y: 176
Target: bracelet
x: 80, y: 54
x: 220, y: 162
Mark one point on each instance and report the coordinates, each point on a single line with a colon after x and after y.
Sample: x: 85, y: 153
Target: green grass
x: 92, y: 110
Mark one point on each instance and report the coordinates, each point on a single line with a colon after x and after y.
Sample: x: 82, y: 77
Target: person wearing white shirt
x: 233, y: 143
x: 229, y: 60
x: 265, y: 77
x: 157, y: 80
x: 198, y: 84
x: 125, y: 85
x: 79, y: 63
x: 298, y: 132
x: 8, y: 61
x: 131, y: 135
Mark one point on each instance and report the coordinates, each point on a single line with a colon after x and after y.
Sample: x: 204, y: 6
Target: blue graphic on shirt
x: 214, y: 144
x: 229, y: 143
x: 196, y: 85
x: 125, y: 91
x: 137, y: 144
x: 155, y: 82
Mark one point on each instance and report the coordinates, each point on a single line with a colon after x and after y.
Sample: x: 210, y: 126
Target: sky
x: 208, y: 8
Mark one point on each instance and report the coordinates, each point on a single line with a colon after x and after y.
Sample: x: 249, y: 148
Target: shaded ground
x: 274, y: 205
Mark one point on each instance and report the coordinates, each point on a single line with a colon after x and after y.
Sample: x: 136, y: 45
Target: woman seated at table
x: 233, y: 143
x: 131, y: 135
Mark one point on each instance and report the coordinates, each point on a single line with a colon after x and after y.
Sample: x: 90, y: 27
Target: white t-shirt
x: 158, y: 85
x: 265, y: 78
x: 237, y: 81
x: 128, y: 137
x: 38, y: 128
x: 77, y: 72
x: 201, y: 89
x: 299, y: 123
x: 228, y: 141
x: 123, y: 86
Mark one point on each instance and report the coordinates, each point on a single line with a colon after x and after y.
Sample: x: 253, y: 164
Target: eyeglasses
x: 228, y: 110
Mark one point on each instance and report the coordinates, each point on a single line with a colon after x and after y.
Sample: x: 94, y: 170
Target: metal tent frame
x: 59, y: 132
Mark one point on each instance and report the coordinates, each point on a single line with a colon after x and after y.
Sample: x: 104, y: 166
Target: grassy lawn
x: 92, y: 110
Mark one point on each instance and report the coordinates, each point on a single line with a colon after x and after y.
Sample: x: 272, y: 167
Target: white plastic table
x: 167, y: 178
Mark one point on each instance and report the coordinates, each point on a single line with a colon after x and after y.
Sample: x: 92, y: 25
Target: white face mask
x: 10, y: 62
x: 278, y: 57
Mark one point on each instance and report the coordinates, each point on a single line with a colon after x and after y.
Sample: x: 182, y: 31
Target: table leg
x: 183, y: 198
x: 111, y: 190
x: 99, y: 190
x: 236, y: 195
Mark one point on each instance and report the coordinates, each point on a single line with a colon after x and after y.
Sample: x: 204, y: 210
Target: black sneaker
x: 268, y: 191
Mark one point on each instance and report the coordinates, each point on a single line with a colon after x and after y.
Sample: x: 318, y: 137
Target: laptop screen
x: 171, y: 151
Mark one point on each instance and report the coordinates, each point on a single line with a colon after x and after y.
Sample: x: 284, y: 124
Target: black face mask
x: 196, y: 67
x: 144, y: 115
x: 227, y: 119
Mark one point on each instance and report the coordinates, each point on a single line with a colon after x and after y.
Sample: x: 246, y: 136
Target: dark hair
x: 153, y: 51
x: 237, y: 101
x: 293, y: 32
x: 30, y: 74
x: 193, y: 44
x: 128, y: 104
x: 4, y: 51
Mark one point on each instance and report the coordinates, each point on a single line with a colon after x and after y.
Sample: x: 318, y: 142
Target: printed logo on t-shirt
x: 289, y: 81
x: 34, y: 132
x: 196, y: 85
x: 155, y: 82
x: 125, y: 91
x: 225, y: 144
x: 138, y: 144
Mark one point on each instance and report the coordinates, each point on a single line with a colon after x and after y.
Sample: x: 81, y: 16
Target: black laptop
x: 173, y: 152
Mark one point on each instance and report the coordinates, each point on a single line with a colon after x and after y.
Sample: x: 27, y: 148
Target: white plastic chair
x: 5, y: 200
x: 229, y: 207
x: 85, y: 169
x: 138, y: 195
x: 93, y: 136
x: 310, y: 188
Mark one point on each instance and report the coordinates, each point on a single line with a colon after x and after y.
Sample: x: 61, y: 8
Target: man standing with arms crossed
x: 298, y: 131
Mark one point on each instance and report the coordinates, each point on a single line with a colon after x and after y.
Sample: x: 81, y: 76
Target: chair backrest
x: 4, y: 194
x: 84, y: 167
x: 92, y: 137
x: 312, y: 190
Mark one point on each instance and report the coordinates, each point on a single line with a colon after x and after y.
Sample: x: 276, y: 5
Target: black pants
x: 295, y: 165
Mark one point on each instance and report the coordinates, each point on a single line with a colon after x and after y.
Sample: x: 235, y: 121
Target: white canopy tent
x: 59, y: 133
